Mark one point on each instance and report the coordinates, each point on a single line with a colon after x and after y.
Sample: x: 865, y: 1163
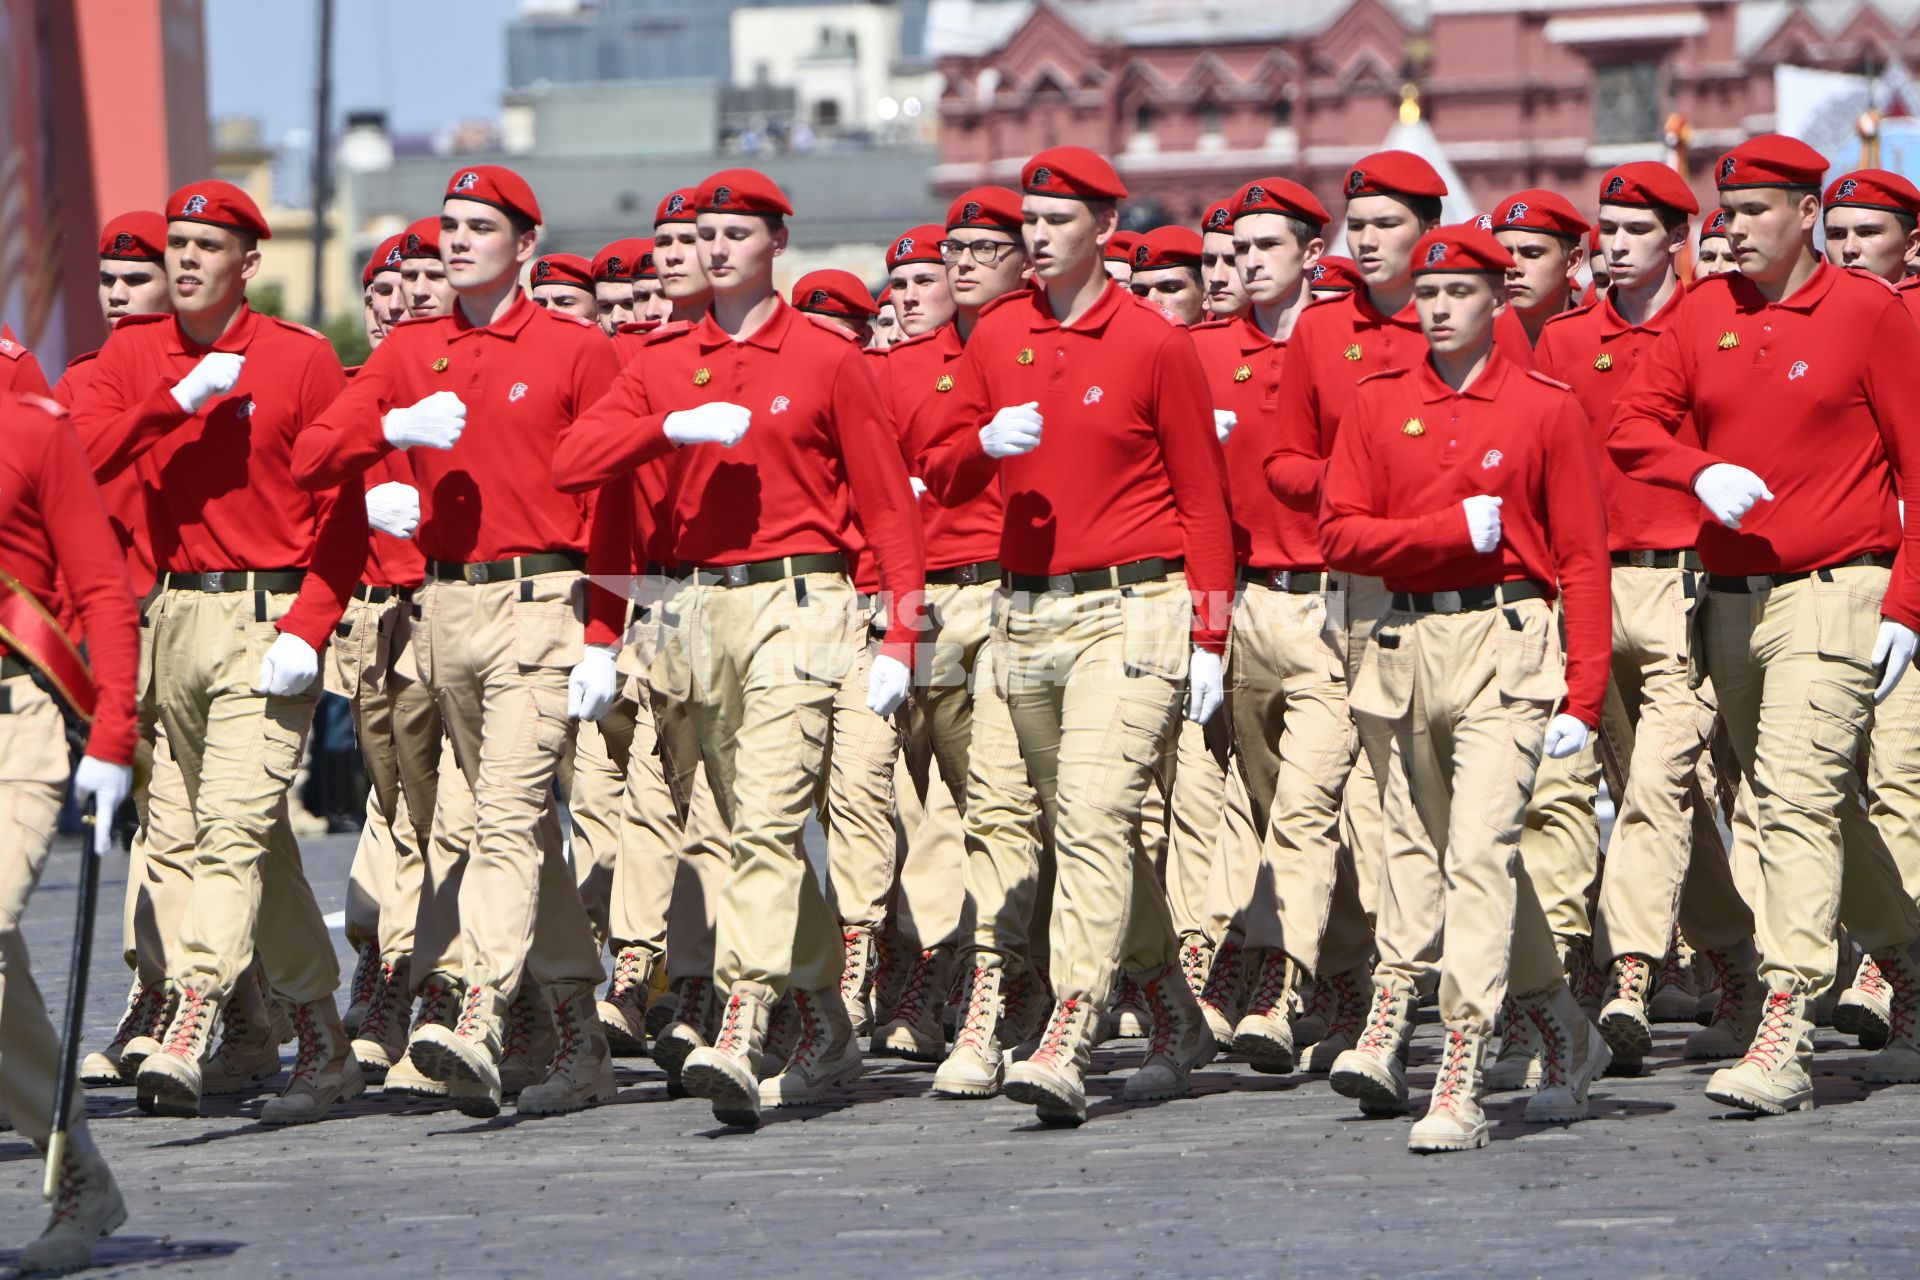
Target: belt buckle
x: 1060, y: 582
x: 217, y: 580
x: 474, y: 573
x: 1446, y: 602
x: 1280, y: 580
x: 734, y: 575
x: 968, y: 575
x: 1642, y: 559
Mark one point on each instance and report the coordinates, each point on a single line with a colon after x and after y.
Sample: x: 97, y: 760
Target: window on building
x: 1144, y: 140
x: 1143, y: 118
x: 1212, y: 127
x: 826, y: 113
x: 1283, y: 114
x: 1629, y: 102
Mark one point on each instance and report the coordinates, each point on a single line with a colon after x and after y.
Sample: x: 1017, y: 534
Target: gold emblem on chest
x: 1728, y: 340
x: 1352, y: 352
x: 943, y: 383
x: 440, y: 365
x: 1413, y: 427
x: 1025, y: 356
x: 1243, y: 373
x: 701, y: 377
x: 1603, y: 361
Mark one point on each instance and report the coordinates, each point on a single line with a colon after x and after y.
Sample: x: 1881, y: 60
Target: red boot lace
x: 1771, y: 1042
x: 1555, y: 1046
x: 913, y: 1001
x: 470, y: 1014
x: 1379, y: 1031
x: 1871, y: 979
x: 1901, y: 995
x: 306, y: 1064
x: 810, y: 1026
x: 66, y: 1201
x: 1224, y: 981
x: 1451, y: 1084
x: 1160, y: 1038
x: 1349, y: 1005
x: 567, y: 1029
x: 436, y: 1003
x: 138, y: 1017
x: 731, y: 1039
x: 1733, y: 987
x: 858, y: 969
x: 1270, y: 990
x: 385, y: 1003
x: 983, y: 1008
x: 1632, y: 973
x: 1193, y: 967
x: 693, y: 999
x: 365, y: 973
x: 517, y: 1038
x: 1053, y: 1043
x: 629, y: 967
x: 187, y: 1022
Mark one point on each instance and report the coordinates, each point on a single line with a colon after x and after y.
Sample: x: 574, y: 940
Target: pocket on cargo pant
x: 818, y: 627
x: 549, y: 630
x: 1383, y: 688
x: 1527, y: 656
x: 1156, y: 633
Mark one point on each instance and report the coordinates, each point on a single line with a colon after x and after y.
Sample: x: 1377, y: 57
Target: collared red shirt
x: 219, y: 483
x: 1243, y: 369
x: 1411, y: 448
x: 1812, y: 393
x: 1596, y: 352
x: 20, y: 373
x: 1128, y: 466
x: 125, y: 494
x: 919, y: 378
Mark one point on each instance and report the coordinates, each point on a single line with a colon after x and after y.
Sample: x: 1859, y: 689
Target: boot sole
x: 1265, y: 1054
x: 1047, y: 1106
x: 1375, y: 1098
x: 112, y: 1223
x: 1626, y: 1035
x: 474, y: 1101
x: 952, y: 1089
x: 670, y: 1053
x: 373, y: 1058
x: 908, y: 1046
x: 1756, y: 1104
x: 165, y: 1096
x: 1864, y: 1022
x: 816, y: 1095
x: 1155, y: 1093
x: 280, y: 1116
x: 438, y: 1062
x: 621, y: 1044
x: 432, y: 1090
x: 598, y: 1092
x: 1441, y: 1146
x: 732, y: 1105
x: 1713, y: 1053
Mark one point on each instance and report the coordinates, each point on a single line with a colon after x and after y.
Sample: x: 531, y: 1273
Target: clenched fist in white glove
x: 1483, y: 521
x: 887, y: 685
x: 717, y: 423
x: 1013, y: 431
x: 107, y: 786
x: 919, y: 487
x: 433, y: 423
x: 213, y: 376
x: 1566, y: 735
x: 1730, y: 492
x: 394, y: 508
x: 288, y: 668
x: 594, y: 684
x: 1893, y: 648
x: 1206, y: 685
x: 1224, y: 421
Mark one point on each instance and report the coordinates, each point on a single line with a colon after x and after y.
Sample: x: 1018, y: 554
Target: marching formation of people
x: 1194, y: 636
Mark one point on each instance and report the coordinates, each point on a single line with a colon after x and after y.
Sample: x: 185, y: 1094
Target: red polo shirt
x: 20, y: 373
x: 391, y: 561
x: 1393, y: 494
x: 125, y: 494
x: 219, y: 482
x: 1596, y: 352
x: 1128, y: 467
x: 1243, y: 368
x: 1814, y: 394
x: 819, y: 448
x: 52, y: 519
x: 918, y: 380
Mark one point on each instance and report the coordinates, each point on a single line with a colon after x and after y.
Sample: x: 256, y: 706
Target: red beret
x: 1167, y: 247
x: 140, y: 236
x: 421, y: 240
x: 916, y: 244
x: 987, y: 209
x: 1394, y: 173
x: 1715, y: 225
x: 617, y: 260
x: 1334, y: 273
x: 1874, y: 189
x: 643, y: 267
x: 562, y: 268
x: 677, y: 206
x: 1647, y: 183
x: 835, y: 293
x: 385, y: 258
x: 1538, y: 209
x: 1120, y: 246
x: 1593, y: 241
x: 1072, y: 171
x: 1771, y: 160
x: 1464, y: 247
x: 741, y: 191
x: 1279, y: 195
x: 886, y: 296
x: 1218, y: 219
x: 498, y: 186
x: 218, y: 204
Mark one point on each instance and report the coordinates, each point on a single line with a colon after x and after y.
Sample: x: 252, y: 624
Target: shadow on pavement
x: 145, y: 1252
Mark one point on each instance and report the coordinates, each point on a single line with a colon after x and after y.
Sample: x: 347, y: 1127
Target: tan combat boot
x: 623, y: 1014
x: 1312, y: 1013
x: 1776, y: 1076
x: 528, y: 1043
x: 1898, y: 1061
x: 1374, y: 1071
x: 1675, y: 992
x: 366, y: 976
x: 1517, y: 1064
x: 1865, y: 1009
x: 1573, y: 1053
x: 977, y: 1065
x: 783, y: 1033
x: 1624, y: 1020
x: 439, y: 1006
x: 724, y: 1074
x: 382, y: 1038
x: 1179, y: 1043
x: 1053, y: 1081
x: 1584, y: 979
x: 86, y: 1206
x: 826, y: 1055
x: 915, y: 1031
x: 115, y: 1065
x: 692, y: 1028
x: 1127, y: 1017
x: 169, y: 1081
x: 1348, y: 999
x: 324, y: 1072
x: 856, y: 979
x: 1223, y: 995
x: 1029, y: 1004
x: 1736, y: 1010
x: 247, y: 1052
x: 466, y: 1056
x: 581, y: 1074
x: 1265, y: 1036
x: 1454, y: 1120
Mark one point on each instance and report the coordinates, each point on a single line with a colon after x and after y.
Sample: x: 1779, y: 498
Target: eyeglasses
x: 985, y: 252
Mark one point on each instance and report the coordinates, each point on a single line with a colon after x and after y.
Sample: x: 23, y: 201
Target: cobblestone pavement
x: 1255, y: 1176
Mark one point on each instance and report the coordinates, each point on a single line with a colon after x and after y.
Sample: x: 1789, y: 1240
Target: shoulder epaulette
x: 1221, y: 323
x: 1581, y: 310
x: 1865, y: 274
x: 1383, y: 373
x: 571, y: 318
x: 1538, y: 376
x: 1004, y: 299
x: 297, y: 327
x: 83, y: 357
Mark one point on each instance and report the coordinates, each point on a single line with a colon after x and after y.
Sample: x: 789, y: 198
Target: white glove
x: 1206, y: 685
x: 717, y: 423
x: 288, y: 668
x: 887, y: 685
x: 433, y: 423
x: 919, y: 487
x: 1566, y: 735
x: 594, y: 684
x: 1894, y: 647
x: 394, y: 508
x: 1224, y: 421
x: 1730, y: 492
x: 1012, y: 431
x: 1483, y: 521
x: 213, y: 376
x: 107, y: 785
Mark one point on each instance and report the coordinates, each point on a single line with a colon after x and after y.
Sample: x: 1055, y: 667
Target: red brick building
x: 1192, y: 97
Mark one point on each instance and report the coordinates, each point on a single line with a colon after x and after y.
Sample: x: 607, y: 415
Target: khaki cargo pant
x: 759, y: 667
x: 33, y: 777
x: 1362, y: 818
x: 160, y: 863
x: 238, y: 752
x: 497, y: 657
x: 1893, y: 778
x: 1297, y: 748
x: 1463, y: 701
x: 863, y: 844
x: 1094, y: 682
x: 1665, y: 847
x: 1792, y: 668
x: 1561, y: 843
x: 1194, y: 824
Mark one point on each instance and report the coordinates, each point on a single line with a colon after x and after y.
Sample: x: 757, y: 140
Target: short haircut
x: 520, y: 222
x: 1303, y: 231
x: 1100, y: 206
x: 1425, y: 208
